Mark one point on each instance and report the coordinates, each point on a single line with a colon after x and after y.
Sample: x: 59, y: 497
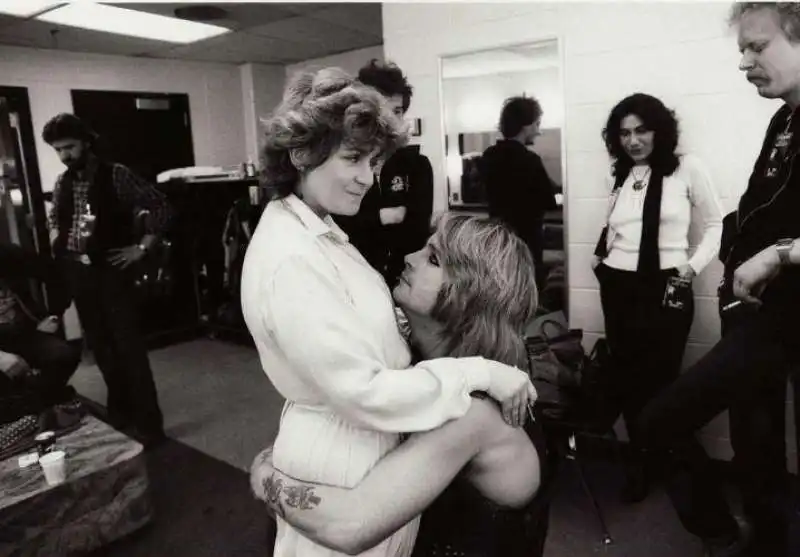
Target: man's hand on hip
x: 123, y: 257
x: 752, y: 276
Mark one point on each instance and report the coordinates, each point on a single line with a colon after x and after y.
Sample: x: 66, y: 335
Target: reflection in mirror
x: 474, y: 89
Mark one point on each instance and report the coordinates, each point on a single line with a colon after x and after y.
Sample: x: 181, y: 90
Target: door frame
x: 33, y: 196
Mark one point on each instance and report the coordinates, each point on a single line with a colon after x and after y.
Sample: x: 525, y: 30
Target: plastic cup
x: 54, y: 466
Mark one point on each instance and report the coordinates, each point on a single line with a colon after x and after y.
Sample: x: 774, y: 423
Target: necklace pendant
x: 638, y: 185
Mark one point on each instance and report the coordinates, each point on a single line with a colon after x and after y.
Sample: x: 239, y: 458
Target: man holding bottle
x: 95, y: 206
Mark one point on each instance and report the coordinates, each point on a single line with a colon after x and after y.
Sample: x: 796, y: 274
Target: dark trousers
x: 745, y: 373
x: 646, y: 340
x: 106, y: 303
x: 52, y: 356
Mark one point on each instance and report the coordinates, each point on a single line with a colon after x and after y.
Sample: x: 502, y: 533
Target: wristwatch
x: 784, y: 247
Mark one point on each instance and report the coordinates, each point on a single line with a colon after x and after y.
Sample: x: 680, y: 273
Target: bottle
x: 250, y: 169
x: 86, y: 225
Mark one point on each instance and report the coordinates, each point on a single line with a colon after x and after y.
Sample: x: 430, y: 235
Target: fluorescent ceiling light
x: 24, y: 8
x: 122, y: 21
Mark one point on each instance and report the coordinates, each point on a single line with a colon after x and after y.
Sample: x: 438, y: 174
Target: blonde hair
x: 320, y: 112
x: 490, y: 292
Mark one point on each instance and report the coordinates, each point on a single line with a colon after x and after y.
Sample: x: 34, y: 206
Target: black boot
x: 636, y: 486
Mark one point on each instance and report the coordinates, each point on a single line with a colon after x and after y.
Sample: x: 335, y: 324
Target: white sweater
x: 689, y: 187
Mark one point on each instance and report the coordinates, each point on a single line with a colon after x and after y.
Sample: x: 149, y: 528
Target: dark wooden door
x: 148, y: 132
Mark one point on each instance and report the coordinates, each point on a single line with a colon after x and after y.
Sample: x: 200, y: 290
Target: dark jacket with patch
x: 768, y: 211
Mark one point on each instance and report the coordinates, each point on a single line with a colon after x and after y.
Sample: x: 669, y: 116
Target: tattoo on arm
x: 277, y: 494
x: 272, y: 494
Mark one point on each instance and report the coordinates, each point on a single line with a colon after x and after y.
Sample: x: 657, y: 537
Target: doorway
x: 23, y: 220
x: 147, y: 132
x: 26, y: 224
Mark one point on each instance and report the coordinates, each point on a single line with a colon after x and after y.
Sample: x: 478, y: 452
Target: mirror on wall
x: 474, y: 87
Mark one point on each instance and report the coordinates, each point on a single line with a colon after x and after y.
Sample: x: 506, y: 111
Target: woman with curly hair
x: 323, y: 319
x: 643, y: 262
x: 481, y: 484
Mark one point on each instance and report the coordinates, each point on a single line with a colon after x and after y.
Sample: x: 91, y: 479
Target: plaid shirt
x: 131, y: 190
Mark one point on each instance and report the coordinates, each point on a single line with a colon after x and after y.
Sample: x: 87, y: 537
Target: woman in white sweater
x: 643, y: 261
x: 323, y: 319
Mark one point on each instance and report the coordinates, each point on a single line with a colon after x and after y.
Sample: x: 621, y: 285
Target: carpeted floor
x: 202, y: 508
x: 221, y: 411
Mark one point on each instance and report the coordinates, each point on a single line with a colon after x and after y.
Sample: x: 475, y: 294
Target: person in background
x: 395, y: 216
x: 642, y: 250
x: 96, y: 204
x: 475, y: 479
x: 759, y: 299
x: 518, y: 190
x: 323, y: 319
x: 29, y: 334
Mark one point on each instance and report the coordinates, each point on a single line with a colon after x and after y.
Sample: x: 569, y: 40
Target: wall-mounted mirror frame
x: 462, y: 143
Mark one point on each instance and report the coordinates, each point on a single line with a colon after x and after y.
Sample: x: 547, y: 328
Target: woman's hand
x: 513, y: 389
x: 686, y: 272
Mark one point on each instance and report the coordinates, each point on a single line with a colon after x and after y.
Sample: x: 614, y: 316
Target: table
x: 104, y: 497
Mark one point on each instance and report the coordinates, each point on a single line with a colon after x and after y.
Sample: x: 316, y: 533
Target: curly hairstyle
x: 657, y: 118
x: 517, y: 113
x: 387, y: 78
x: 320, y: 112
x: 67, y: 126
x: 489, y: 295
x: 788, y: 13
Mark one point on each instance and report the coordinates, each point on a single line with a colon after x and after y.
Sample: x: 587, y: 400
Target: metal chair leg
x: 607, y: 539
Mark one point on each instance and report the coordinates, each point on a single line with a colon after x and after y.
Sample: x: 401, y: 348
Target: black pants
x: 745, y: 373
x: 52, y: 356
x: 647, y: 341
x: 106, y: 303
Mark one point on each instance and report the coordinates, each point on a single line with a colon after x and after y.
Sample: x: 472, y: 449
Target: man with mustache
x: 746, y: 372
x: 95, y: 206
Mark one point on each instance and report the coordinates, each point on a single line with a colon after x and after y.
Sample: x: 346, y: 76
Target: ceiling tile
x: 365, y: 18
x: 243, y: 47
x: 41, y: 35
x: 303, y: 8
x: 307, y: 29
x: 270, y: 33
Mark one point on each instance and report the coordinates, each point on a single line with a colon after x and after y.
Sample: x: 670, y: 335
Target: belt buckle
x: 84, y: 259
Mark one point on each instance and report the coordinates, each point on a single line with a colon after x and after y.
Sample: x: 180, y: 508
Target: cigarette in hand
x: 731, y: 305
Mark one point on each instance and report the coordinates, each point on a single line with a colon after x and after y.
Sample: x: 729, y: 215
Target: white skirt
x: 313, y: 444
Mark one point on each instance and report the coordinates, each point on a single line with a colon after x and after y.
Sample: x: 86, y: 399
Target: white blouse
x: 689, y: 187
x: 324, y: 325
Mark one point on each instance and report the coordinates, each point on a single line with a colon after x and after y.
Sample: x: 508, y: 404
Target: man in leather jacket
x: 746, y: 372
